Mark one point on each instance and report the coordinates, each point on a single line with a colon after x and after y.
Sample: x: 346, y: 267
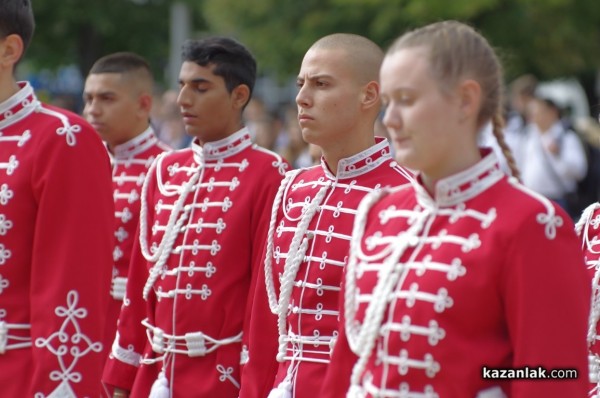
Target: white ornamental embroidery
x: 68, y: 343
x: 69, y: 132
x: 11, y: 165
x: 5, y: 224
x: 3, y: 283
x: 4, y: 254
x: 5, y: 194
x: 226, y: 374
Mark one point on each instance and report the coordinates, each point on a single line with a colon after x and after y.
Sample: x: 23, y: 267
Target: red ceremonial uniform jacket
x: 446, y: 295
x: 130, y: 163
x: 588, y: 229
x: 203, y: 222
x: 56, y: 223
x: 295, y: 317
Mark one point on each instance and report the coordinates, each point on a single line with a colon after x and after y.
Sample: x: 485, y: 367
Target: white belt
x: 194, y: 344
x: 299, y: 350
x: 119, y: 285
x: 8, y: 342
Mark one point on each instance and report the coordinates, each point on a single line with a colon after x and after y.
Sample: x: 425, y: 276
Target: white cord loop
x: 177, y: 217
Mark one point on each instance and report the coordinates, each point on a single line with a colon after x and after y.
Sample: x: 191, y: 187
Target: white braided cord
x: 297, y: 251
x: 296, y: 254
x: 289, y: 176
x: 583, y: 224
x: 173, y: 225
x: 362, y: 338
x: 358, y: 231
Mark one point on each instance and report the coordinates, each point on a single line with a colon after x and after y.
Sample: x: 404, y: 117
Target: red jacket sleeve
x: 258, y: 375
x: 337, y: 379
x: 71, y: 261
x: 130, y: 341
x: 260, y: 325
x: 547, y: 300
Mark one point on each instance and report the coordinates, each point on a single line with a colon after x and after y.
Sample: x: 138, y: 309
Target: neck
x: 8, y: 87
x: 233, y: 128
x: 138, y: 131
x: 466, y: 160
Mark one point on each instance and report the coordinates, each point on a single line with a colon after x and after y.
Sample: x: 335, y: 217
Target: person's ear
x: 370, y: 95
x: 240, y: 96
x: 469, y: 96
x: 11, y: 50
x: 145, y: 101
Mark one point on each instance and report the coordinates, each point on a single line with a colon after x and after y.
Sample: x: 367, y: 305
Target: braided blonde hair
x: 456, y: 52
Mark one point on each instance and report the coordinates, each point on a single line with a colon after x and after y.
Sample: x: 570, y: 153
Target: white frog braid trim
x: 68, y: 347
x: 173, y: 226
x: 362, y: 338
x: 297, y: 249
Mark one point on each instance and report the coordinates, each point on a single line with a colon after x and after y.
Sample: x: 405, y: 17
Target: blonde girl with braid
x: 464, y: 275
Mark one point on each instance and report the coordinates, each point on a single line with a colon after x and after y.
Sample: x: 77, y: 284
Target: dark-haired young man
x: 56, y: 223
x: 203, y: 221
x: 118, y: 100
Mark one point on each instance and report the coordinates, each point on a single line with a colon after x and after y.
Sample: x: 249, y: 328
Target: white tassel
x: 494, y: 392
x: 160, y: 387
x: 283, y: 390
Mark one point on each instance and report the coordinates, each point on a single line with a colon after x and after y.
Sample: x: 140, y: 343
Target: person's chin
x: 404, y: 157
x: 309, y: 136
x: 191, y: 130
x: 99, y: 128
x: 105, y: 136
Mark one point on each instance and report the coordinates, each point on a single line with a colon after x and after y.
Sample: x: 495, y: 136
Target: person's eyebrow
x: 195, y: 81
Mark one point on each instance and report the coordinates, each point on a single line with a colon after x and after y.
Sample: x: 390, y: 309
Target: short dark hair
x: 128, y: 65
x: 120, y: 62
x: 16, y: 17
x: 232, y: 60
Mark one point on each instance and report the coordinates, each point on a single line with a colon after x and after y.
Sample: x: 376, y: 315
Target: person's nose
x: 303, y: 98
x: 184, y: 97
x: 91, y: 108
x: 392, y: 118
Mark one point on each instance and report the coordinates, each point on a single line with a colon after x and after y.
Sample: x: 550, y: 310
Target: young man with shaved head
x: 118, y: 99
x: 295, y: 314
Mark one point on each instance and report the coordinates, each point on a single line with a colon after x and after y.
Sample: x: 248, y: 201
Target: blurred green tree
x: 549, y: 38
x: 79, y: 31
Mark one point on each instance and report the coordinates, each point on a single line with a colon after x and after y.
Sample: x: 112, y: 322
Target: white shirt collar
x: 360, y: 163
x: 136, y: 145
x: 19, y: 105
x: 212, y: 151
x: 462, y: 186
